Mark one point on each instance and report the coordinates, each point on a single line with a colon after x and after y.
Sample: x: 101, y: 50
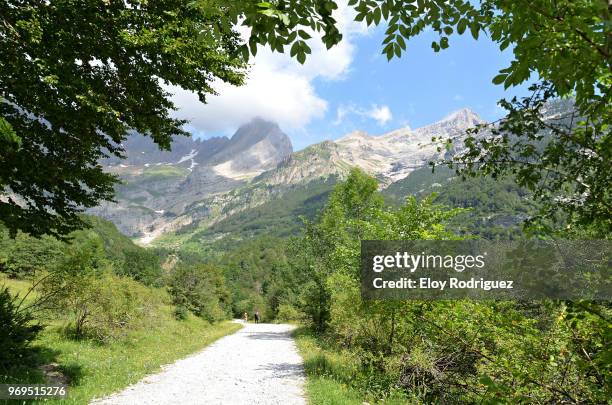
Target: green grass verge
x: 333, y: 377
x: 96, y: 370
x: 327, y: 373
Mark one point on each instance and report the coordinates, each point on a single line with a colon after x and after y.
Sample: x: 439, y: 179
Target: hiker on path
x: 256, y: 316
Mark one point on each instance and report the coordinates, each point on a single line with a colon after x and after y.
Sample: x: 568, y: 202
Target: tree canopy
x: 76, y: 77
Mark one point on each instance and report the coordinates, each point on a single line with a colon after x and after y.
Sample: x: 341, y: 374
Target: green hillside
x: 497, y: 207
x: 25, y: 254
x: 280, y: 217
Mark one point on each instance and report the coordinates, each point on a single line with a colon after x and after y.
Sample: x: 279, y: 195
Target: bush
x: 120, y: 305
x: 287, y: 313
x: 100, y: 304
x: 104, y: 307
x: 200, y: 289
x: 181, y: 313
x: 17, y: 331
x: 24, y: 255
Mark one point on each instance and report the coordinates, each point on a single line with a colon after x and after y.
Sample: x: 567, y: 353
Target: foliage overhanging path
x: 259, y: 364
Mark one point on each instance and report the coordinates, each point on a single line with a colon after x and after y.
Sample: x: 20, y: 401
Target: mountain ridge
x: 192, y: 186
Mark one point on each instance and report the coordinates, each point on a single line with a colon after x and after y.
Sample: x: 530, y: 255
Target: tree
x: 24, y: 256
x: 449, y: 351
x: 200, y: 289
x: 331, y: 245
x: 73, y: 285
x: 76, y: 78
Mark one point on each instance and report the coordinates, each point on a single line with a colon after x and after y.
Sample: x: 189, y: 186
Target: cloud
x: 381, y: 114
x: 458, y: 97
x: 277, y: 88
x: 271, y: 93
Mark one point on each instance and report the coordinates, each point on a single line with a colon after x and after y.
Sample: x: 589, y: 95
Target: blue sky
x: 354, y: 87
x: 419, y: 88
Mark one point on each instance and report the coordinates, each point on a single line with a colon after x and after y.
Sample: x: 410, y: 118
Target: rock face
x: 159, y: 186
x: 203, y: 181
x: 394, y: 155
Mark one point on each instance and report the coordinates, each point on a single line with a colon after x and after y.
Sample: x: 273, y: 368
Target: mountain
x: 157, y: 186
x: 201, y: 189
x: 394, y: 155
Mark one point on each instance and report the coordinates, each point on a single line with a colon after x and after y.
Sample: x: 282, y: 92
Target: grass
x: 334, y: 376
x: 327, y: 373
x: 96, y: 370
x: 164, y: 172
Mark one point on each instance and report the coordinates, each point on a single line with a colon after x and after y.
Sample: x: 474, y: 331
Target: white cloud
x: 381, y: 114
x: 278, y: 87
x: 458, y: 97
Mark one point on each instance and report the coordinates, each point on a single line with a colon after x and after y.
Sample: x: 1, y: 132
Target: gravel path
x: 259, y: 364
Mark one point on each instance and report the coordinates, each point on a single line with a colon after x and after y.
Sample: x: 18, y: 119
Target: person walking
x: 245, y: 317
x: 256, y: 316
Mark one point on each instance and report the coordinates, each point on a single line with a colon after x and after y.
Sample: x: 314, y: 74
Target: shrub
x: 100, y: 304
x: 181, y: 313
x: 104, y: 307
x: 17, y: 330
x: 24, y: 255
x: 120, y: 305
x: 287, y: 313
x: 200, y: 289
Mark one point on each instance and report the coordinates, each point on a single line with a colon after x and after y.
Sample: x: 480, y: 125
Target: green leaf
x: 475, y: 28
x: 499, y: 79
x: 284, y: 18
x: 7, y: 133
x: 486, y: 380
x: 295, y: 48
x: 253, y: 46
x: 504, y: 45
x: 268, y: 12
x: 303, y: 34
x: 301, y: 57
x: 461, y: 26
x: 385, y: 10
x: 377, y: 16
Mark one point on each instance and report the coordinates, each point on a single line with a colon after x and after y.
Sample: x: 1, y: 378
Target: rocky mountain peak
x: 256, y: 132
x: 355, y: 135
x: 464, y: 118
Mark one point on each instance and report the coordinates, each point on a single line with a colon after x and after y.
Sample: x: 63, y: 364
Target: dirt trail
x: 259, y: 364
